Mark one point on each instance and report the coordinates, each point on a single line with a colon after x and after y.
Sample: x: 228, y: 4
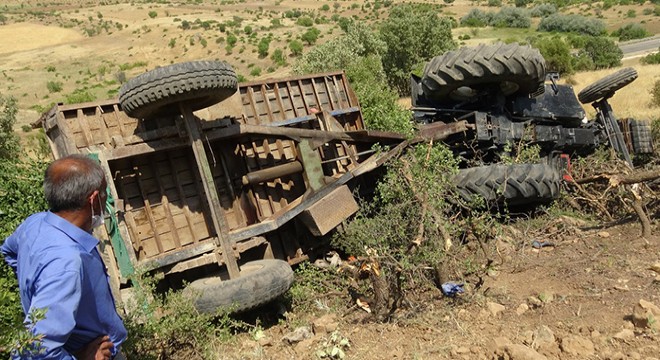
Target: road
x: 640, y: 47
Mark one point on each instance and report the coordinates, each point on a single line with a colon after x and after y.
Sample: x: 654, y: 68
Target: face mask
x: 97, y: 220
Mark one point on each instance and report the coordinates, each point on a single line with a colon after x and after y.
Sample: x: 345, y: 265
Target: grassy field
x: 68, y: 51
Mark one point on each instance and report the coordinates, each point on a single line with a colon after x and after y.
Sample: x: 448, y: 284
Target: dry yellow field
x: 43, y: 42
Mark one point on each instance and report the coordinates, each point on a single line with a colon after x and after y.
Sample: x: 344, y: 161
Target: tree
x: 231, y: 40
x: 296, y: 47
x: 278, y: 57
x: 413, y: 35
x: 9, y: 144
x: 603, y: 51
x: 557, y: 54
x: 310, y: 36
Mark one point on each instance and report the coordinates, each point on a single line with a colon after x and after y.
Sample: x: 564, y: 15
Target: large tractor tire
x: 606, y: 86
x: 199, y: 84
x: 261, y: 281
x: 519, y: 184
x: 461, y: 73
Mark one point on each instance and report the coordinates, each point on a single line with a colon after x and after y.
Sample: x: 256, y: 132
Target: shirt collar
x: 83, y: 238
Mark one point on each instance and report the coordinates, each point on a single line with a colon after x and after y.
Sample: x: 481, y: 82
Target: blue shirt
x: 59, y: 268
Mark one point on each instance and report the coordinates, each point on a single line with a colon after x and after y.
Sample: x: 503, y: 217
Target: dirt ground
x: 575, y: 300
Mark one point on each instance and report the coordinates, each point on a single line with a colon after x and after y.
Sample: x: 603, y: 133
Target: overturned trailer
x: 221, y: 196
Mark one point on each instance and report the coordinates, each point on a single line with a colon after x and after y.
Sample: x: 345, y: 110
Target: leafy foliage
x: 9, y: 145
x: 655, y: 94
x: 506, y: 17
x: 311, y: 35
x: 413, y: 35
x: 557, y: 54
x: 162, y: 326
x: 630, y: 32
x: 651, y: 58
x: 543, y: 10
x: 603, y: 52
x: 572, y: 23
x: 358, y: 52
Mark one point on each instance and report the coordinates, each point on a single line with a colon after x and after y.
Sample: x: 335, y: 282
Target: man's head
x: 73, y: 183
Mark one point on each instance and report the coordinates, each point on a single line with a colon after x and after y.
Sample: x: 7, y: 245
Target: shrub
x: 512, y: 17
x: 247, y: 29
x: 296, y: 47
x: 631, y: 31
x: 54, y: 86
x: 311, y: 35
x: 495, y: 3
x: 543, y: 10
x: 655, y: 94
x: 153, y: 14
x: 572, y: 23
x: 477, y: 18
x: 9, y: 145
x: 603, y: 52
x: 255, y: 71
x: 305, y: 21
x: 278, y: 57
x: 232, y: 40
x: 263, y: 46
x: 651, y: 58
x: 557, y: 54
x: 79, y: 96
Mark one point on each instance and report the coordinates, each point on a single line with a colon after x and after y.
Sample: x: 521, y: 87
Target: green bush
x: 651, y: 58
x: 9, y: 144
x: 603, y: 52
x: 557, y: 54
x: 477, y: 18
x: 572, y: 23
x: 655, y: 94
x: 512, y: 18
x: 630, y: 32
x: 153, y: 14
x: 162, y: 326
x: 278, y: 57
x: 296, y: 47
x: 413, y: 35
x: 263, y: 46
x: 54, y: 86
x: 79, y: 96
x: 305, y: 21
x: 543, y: 10
x: 311, y: 35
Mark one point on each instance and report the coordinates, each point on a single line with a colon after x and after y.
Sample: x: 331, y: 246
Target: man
x: 59, y: 268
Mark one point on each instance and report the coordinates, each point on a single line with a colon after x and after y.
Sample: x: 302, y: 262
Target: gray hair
x: 70, y: 180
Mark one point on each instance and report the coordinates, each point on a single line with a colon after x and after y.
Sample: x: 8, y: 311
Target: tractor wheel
x: 460, y: 74
x: 606, y: 86
x: 260, y: 282
x: 198, y: 83
x: 518, y: 184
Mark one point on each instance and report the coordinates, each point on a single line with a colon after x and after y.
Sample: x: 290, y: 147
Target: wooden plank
x: 293, y: 104
x: 267, y: 103
x: 182, y: 196
x: 132, y: 226
x: 280, y: 104
x: 165, y: 203
x: 250, y: 94
x: 84, y: 127
x: 217, y: 214
x: 103, y: 128
x: 333, y: 104
x: 148, y: 210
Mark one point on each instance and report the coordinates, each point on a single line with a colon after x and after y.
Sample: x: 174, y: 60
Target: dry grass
x: 633, y: 100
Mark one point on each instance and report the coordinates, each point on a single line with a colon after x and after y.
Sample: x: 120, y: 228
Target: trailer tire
x: 606, y: 86
x: 516, y: 68
x: 198, y: 83
x: 261, y: 281
x: 518, y: 184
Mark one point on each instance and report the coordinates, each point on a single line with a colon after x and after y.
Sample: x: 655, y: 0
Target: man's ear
x: 94, y: 194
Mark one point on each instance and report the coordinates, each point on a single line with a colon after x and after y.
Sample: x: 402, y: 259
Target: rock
x: 603, y: 234
x: 543, y: 337
x: 522, y: 308
x: 655, y: 267
x: 577, y: 346
x: 325, y: 324
x: 304, y: 346
x: 494, y: 308
x: 298, y: 335
x: 634, y: 355
x: 615, y: 356
x: 522, y: 352
x: 624, y: 334
x: 646, y: 315
x: 463, y: 350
